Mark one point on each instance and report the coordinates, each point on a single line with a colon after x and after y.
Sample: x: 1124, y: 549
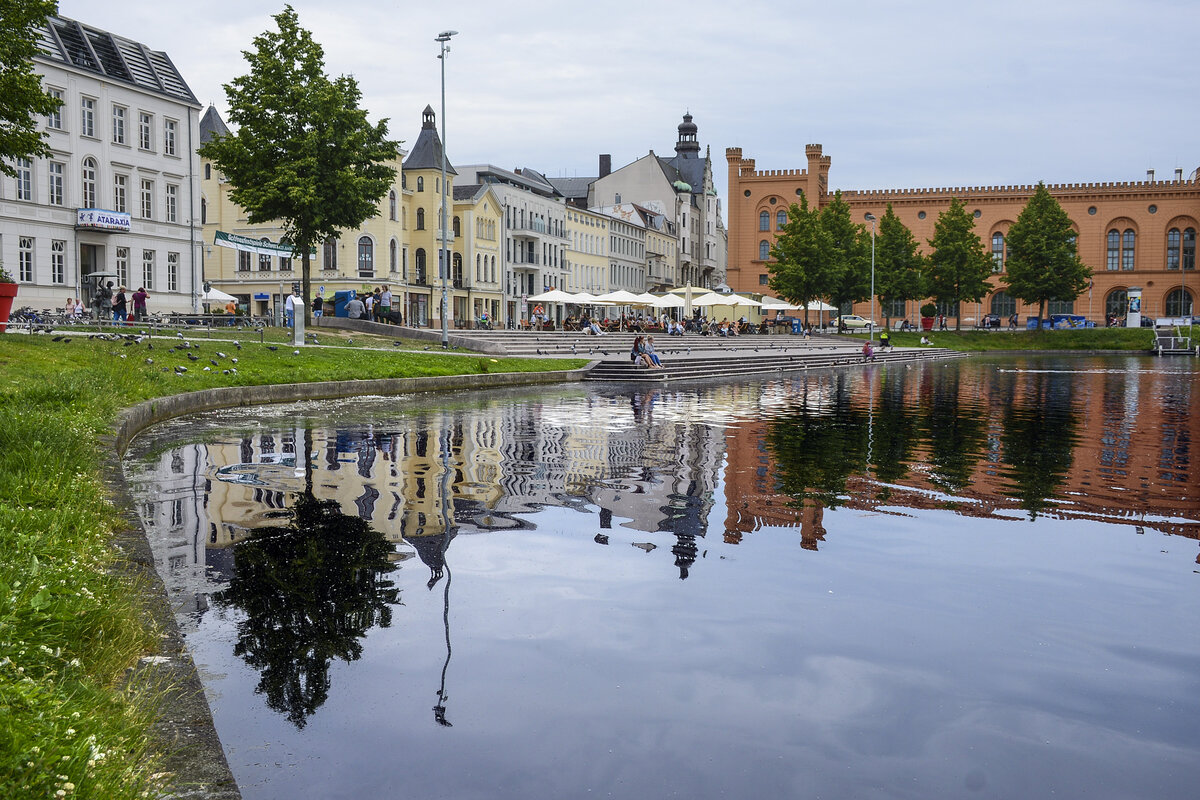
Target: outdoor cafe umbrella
x: 215, y: 295
x: 553, y: 296
x: 622, y: 298
x: 668, y: 301
x: 738, y: 300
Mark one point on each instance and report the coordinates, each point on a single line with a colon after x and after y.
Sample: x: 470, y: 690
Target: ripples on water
x: 903, y: 582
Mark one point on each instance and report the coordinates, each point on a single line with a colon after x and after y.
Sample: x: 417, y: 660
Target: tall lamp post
x: 442, y: 39
x: 871, y: 328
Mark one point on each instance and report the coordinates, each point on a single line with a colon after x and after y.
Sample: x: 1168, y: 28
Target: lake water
x: 965, y: 579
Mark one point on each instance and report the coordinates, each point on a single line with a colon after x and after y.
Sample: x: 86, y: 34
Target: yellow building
x: 369, y: 256
x: 477, y: 271
x: 586, y: 256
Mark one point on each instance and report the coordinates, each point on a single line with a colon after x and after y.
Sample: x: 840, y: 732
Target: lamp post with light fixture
x: 442, y: 39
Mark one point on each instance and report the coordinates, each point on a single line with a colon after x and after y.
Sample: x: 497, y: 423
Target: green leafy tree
x: 898, y: 264
x: 958, y: 269
x: 304, y: 153
x: 849, y: 256
x: 22, y: 99
x: 1042, y: 260
x: 801, y: 270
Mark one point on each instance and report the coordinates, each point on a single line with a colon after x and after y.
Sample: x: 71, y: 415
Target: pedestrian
x: 289, y: 310
x: 868, y: 352
x: 318, y: 305
x: 385, y: 304
x: 885, y: 340
x: 139, y: 304
x: 120, y: 306
x: 1012, y: 321
x: 368, y: 302
x: 355, y: 308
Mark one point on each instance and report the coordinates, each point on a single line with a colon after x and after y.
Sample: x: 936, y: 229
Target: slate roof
x: 468, y: 191
x: 113, y: 58
x: 572, y: 188
x: 427, y: 152
x: 212, y: 126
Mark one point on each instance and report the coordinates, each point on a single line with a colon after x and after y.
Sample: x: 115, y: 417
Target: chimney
x: 605, y: 164
x: 1179, y: 174
x: 1150, y: 175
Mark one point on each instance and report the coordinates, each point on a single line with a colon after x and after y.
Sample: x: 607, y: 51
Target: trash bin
x: 797, y: 326
x: 339, y: 302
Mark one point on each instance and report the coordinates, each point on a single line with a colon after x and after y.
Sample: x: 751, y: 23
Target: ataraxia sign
x: 99, y: 219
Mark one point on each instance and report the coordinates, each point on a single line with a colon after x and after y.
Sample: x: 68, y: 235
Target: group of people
x: 643, y: 353
x: 107, y: 304
x: 375, y: 306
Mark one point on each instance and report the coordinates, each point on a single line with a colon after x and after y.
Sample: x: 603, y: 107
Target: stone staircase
x: 1173, y: 342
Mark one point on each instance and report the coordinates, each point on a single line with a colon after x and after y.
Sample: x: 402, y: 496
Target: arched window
x: 478, y: 271
x: 392, y: 205
x: 764, y: 250
x: 764, y: 221
x: 1128, y: 242
x: 89, y: 183
x: 392, y: 255
x: 420, y: 183
x: 457, y: 227
x: 1060, y: 307
x: 998, y: 256
x: 419, y: 265
x: 1113, y: 262
x: 780, y: 218
x: 203, y: 210
x: 420, y: 219
x: 1003, y: 304
x: 1116, y: 303
x: 329, y: 254
x: 456, y: 266
x: 493, y: 274
x: 1189, y: 248
x: 366, y: 257
x: 1179, y: 303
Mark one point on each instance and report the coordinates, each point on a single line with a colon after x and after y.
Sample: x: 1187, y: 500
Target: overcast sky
x: 901, y: 95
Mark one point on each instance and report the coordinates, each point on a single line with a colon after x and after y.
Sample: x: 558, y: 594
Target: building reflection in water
x: 1090, y: 439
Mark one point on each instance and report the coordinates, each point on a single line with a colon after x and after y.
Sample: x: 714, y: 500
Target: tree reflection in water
x: 310, y: 592
x: 1038, y: 438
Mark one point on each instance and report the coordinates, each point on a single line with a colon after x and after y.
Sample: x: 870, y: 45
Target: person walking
x: 120, y: 306
x: 139, y: 304
x: 318, y: 305
x: 289, y: 310
x: 385, y: 304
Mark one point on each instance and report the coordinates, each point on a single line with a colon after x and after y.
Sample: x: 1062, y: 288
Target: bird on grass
x: 179, y: 370
x: 214, y: 363
x: 192, y: 357
x: 272, y: 348
x: 149, y: 360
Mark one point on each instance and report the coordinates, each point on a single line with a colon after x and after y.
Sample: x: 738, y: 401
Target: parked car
x: 855, y: 321
x: 989, y: 321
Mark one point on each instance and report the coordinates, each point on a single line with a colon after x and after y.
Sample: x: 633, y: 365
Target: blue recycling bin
x: 339, y: 302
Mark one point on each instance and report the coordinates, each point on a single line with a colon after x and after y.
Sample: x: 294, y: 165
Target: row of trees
x: 824, y: 255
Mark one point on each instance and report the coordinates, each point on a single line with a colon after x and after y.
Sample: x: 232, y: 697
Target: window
x: 1189, y: 248
x: 1113, y: 262
x: 87, y: 117
x: 1128, y: 241
x: 764, y: 250
x: 420, y: 265
x: 89, y: 183
x: 420, y: 184
x: 764, y: 221
x: 265, y: 262
x: 366, y: 257
x: 123, y: 266
x: 147, y: 200
x: 763, y: 280
x: 24, y: 179
x: 457, y: 227
x: 404, y: 263
x: 58, y: 261
x: 203, y: 210
x: 1179, y: 303
x: 392, y: 255
x: 392, y: 205
x: 420, y: 219
x: 1060, y: 307
x: 944, y: 307
x: 208, y: 172
x: 329, y: 255
x: 118, y: 125
x: 1003, y: 304
x: 172, y: 272
x: 145, y: 131
x: 148, y: 269
x: 285, y: 262
x: 54, y: 118
x: 172, y: 203
x: 894, y: 308
x: 119, y: 199
x: 243, y: 258
x: 780, y: 219
x: 169, y: 137
x: 456, y: 268
x: 55, y: 173
x: 25, y: 259
x: 998, y: 254
x: 1173, y: 248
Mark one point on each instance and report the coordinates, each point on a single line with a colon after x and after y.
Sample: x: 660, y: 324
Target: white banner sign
x: 98, y: 219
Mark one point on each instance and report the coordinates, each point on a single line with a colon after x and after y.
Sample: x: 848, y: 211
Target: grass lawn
x: 70, y: 623
x: 1077, y: 339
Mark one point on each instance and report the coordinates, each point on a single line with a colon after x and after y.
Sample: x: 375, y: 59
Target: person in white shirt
x: 289, y: 309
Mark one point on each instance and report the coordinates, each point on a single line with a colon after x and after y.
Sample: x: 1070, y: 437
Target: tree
x: 898, y: 265
x: 849, y: 256
x: 800, y: 272
x: 22, y: 99
x: 958, y: 268
x: 304, y: 153
x: 1042, y: 261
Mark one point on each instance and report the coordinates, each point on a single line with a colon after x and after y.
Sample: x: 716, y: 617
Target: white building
x: 119, y: 193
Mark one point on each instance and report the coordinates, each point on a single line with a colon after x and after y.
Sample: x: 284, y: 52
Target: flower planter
x: 8, y: 291
x: 927, y: 323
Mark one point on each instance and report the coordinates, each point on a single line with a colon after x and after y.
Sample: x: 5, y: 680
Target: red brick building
x: 1137, y: 234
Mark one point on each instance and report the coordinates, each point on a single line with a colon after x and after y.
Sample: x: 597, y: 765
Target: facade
x: 586, y: 255
x: 1139, y: 234
x: 119, y: 196
x: 682, y: 190
x: 626, y: 248
x: 535, y: 233
x: 478, y: 224
x: 369, y: 256
x: 422, y: 182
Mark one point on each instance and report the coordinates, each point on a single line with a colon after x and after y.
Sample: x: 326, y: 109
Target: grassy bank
x: 1078, y: 339
x: 70, y: 623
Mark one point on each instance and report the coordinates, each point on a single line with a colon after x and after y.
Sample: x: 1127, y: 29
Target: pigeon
x: 149, y: 360
x: 179, y: 369
x: 214, y: 363
x: 601, y: 538
x: 349, y: 341
x: 272, y: 348
x: 234, y: 360
x: 179, y: 334
x: 192, y: 357
x: 395, y: 344
x: 129, y: 344
x: 295, y: 352
x: 224, y: 372
x: 221, y: 355
x: 208, y: 369
x: 539, y: 351
x: 235, y: 343
x: 605, y: 352
x: 647, y: 546
x: 233, y: 369
x: 172, y: 350
x: 66, y: 340
x: 149, y: 346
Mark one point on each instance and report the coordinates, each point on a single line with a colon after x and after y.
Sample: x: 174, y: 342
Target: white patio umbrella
x: 621, y: 297
x: 668, y: 301
x: 588, y: 299
x: 738, y: 300
x: 215, y: 295
x: 710, y: 299
x: 775, y: 304
x: 552, y: 296
x: 817, y: 305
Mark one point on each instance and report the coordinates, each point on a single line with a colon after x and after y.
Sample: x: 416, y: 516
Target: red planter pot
x: 927, y: 323
x: 8, y: 291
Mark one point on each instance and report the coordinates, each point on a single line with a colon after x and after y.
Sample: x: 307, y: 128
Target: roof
x: 427, y: 152
x: 115, y: 58
x: 468, y: 191
x: 212, y: 126
x: 572, y: 187
x: 528, y: 179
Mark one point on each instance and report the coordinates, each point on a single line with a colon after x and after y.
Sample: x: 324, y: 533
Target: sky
x: 901, y: 95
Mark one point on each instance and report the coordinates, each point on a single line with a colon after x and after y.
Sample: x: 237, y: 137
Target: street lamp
x: 871, y: 314
x: 442, y: 39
